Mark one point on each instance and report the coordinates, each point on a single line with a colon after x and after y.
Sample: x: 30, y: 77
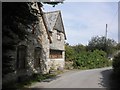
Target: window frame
x: 59, y: 36
x: 55, y: 54
x: 38, y: 59
x: 21, y: 63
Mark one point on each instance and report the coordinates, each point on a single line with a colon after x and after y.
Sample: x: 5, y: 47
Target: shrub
x: 89, y: 60
x: 116, y: 64
x: 69, y: 53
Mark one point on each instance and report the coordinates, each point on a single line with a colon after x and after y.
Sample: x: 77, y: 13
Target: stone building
x: 43, y: 49
x: 57, y: 34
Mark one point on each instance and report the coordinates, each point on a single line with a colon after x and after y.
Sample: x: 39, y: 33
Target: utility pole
x: 106, y: 38
x: 106, y: 31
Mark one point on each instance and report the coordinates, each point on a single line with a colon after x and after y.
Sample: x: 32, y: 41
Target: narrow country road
x: 94, y: 78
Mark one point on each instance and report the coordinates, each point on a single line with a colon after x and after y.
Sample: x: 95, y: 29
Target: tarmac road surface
x: 93, y: 78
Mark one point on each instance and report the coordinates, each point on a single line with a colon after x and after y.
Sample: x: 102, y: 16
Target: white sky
x: 83, y: 20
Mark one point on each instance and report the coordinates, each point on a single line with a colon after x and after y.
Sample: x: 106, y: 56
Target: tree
x: 101, y: 43
x: 118, y: 46
x: 79, y: 48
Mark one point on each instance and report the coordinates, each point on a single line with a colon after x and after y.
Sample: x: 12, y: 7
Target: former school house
x: 43, y: 49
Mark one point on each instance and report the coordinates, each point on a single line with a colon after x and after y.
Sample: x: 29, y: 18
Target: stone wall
x: 32, y: 41
x: 57, y: 64
x: 57, y: 44
x: 38, y: 39
x: 45, y: 45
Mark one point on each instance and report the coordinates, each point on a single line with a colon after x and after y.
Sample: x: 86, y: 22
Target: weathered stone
x: 39, y: 39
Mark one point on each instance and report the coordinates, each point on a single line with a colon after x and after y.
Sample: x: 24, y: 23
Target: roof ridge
x: 52, y: 11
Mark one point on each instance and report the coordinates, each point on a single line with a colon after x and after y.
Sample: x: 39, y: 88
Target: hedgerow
x: 116, y: 64
x: 90, y: 60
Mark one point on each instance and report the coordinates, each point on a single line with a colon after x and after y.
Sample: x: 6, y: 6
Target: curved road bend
x: 94, y: 78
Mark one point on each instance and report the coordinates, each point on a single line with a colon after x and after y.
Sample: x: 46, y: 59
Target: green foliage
x: 89, y: 60
x: 118, y: 46
x: 69, y: 53
x: 116, y: 64
x: 101, y: 43
x: 115, y: 76
x: 79, y: 48
x: 83, y: 59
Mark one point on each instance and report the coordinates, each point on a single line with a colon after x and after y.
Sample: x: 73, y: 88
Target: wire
x: 112, y: 20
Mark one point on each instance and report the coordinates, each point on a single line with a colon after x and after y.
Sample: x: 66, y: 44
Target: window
x: 21, y: 57
x: 54, y: 54
x: 37, y: 57
x: 58, y: 36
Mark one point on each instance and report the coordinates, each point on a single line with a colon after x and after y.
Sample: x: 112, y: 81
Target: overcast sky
x: 83, y: 20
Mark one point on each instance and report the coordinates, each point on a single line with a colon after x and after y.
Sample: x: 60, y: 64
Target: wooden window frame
x: 55, y: 54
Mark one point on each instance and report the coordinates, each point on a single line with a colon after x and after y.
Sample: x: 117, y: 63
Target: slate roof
x: 54, y: 21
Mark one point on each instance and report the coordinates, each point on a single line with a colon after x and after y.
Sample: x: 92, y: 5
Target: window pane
x: 55, y: 54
